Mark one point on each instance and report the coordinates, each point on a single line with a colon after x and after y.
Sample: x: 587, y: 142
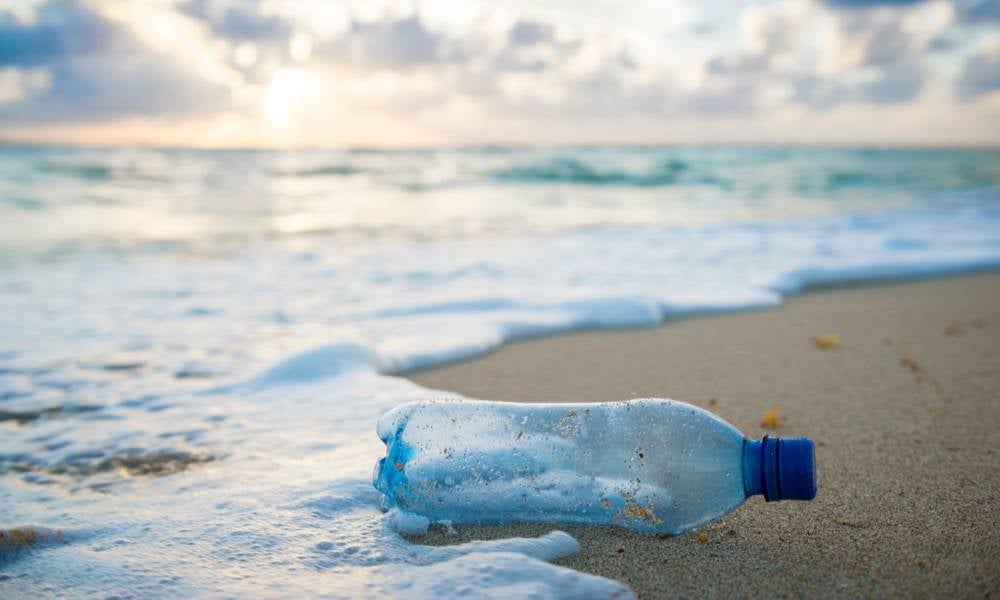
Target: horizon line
x: 6, y: 143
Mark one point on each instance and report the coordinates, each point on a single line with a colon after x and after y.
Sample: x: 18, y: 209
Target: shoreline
x: 807, y: 290
x: 905, y: 414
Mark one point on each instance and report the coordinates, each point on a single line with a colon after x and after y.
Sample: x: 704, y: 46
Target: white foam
x: 507, y: 575
x: 407, y: 523
x: 317, y: 363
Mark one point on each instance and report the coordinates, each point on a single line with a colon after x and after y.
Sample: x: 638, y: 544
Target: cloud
x: 968, y: 11
x: 883, y: 46
x: 396, y: 42
x: 704, y: 28
x: 737, y: 64
x: 96, y: 89
x: 898, y: 83
x: 534, y: 46
x: 56, y: 31
x: 261, y: 43
x: 96, y: 61
x: 980, y: 75
x: 737, y: 98
x: 819, y: 92
x: 873, y: 39
x: 827, y: 58
x: 977, y: 11
x: 869, y: 3
x: 238, y: 21
x: 85, y: 67
x: 524, y: 67
x: 17, y: 84
x: 530, y: 33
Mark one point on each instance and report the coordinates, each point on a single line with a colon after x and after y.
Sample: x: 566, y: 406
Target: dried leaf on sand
x: 826, y: 341
x: 772, y: 419
x: 954, y: 329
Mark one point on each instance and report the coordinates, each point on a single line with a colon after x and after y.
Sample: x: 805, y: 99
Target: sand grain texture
x: 905, y: 411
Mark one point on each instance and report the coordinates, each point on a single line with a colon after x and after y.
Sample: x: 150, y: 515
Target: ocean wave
x: 22, y: 202
x: 321, y: 171
x: 93, y: 172
x: 576, y: 171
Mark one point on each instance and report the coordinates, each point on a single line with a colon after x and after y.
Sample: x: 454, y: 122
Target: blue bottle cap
x: 780, y: 468
x: 796, y: 469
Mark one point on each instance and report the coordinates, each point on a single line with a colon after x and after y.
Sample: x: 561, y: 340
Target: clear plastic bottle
x: 650, y: 465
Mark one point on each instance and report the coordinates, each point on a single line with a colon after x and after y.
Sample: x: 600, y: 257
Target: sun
x: 285, y: 93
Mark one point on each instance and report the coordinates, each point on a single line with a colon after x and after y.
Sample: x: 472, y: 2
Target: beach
x: 904, y: 410
x: 197, y: 348
x: 246, y: 244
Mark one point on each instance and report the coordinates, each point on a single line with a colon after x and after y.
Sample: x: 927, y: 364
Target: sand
x: 905, y: 412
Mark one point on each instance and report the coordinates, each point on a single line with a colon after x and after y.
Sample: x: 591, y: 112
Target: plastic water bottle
x: 649, y: 465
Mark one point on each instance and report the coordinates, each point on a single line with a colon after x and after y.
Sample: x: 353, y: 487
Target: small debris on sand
x: 980, y: 323
x: 954, y: 329
x: 826, y: 341
x: 703, y: 537
x: 920, y: 374
x: 771, y: 419
x: 713, y: 402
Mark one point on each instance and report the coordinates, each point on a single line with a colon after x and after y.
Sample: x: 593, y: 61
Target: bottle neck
x: 779, y: 468
x: 755, y: 480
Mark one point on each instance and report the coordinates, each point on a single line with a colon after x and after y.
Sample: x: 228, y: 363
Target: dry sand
x: 905, y: 413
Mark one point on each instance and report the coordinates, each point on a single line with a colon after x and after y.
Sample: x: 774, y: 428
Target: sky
x: 383, y: 73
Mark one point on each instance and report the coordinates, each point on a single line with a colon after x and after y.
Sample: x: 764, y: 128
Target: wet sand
x: 905, y: 412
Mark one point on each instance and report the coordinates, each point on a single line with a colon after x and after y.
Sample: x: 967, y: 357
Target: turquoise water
x: 195, y: 346
x: 65, y: 200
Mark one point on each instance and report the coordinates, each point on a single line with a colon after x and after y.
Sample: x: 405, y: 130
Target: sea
x: 196, y: 345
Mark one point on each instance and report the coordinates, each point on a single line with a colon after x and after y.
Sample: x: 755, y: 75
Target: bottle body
x: 651, y: 465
